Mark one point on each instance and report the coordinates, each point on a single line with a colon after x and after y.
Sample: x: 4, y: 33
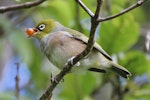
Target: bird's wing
x: 83, y: 38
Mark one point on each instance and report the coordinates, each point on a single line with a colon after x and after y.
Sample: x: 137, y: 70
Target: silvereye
x: 60, y: 44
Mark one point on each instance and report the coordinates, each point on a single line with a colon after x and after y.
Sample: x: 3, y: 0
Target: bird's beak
x: 31, y: 31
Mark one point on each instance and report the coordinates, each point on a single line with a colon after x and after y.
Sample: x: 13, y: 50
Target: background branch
x: 139, y: 3
x: 20, y: 6
x: 17, y: 81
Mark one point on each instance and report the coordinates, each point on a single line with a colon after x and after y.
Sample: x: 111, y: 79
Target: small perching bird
x: 60, y: 44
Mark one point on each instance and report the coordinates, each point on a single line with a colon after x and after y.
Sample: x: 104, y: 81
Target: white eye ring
x: 41, y: 27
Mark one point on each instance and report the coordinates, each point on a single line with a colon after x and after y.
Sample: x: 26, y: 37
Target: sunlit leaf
x: 119, y: 34
x: 136, y: 62
x: 79, y: 86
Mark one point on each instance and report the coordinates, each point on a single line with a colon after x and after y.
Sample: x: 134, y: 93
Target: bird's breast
x: 61, y: 46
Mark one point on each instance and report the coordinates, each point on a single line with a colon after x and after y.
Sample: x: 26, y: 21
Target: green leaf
x: 119, y: 34
x: 135, y: 62
x: 78, y: 86
x: 59, y: 10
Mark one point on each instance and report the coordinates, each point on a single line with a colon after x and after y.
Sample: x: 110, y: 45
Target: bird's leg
x: 71, y: 60
x: 53, y: 79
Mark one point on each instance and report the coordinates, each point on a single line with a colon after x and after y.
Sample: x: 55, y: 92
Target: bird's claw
x: 71, y: 61
x: 54, y: 79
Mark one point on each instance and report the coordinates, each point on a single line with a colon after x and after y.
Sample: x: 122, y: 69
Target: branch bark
x: 139, y: 3
x: 89, y: 12
x: 20, y: 6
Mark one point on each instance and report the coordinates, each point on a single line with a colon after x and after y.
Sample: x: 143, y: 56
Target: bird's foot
x: 71, y: 61
x: 54, y: 79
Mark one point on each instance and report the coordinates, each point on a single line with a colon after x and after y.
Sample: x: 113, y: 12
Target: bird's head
x: 42, y: 29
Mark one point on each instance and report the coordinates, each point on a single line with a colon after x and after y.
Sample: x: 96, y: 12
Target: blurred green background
x: 123, y: 38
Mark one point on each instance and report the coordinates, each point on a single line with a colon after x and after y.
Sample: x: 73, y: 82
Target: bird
x: 61, y: 44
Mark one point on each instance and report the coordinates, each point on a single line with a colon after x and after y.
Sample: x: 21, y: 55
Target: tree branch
x: 85, y: 8
x: 97, y: 12
x: 20, y: 6
x: 139, y: 3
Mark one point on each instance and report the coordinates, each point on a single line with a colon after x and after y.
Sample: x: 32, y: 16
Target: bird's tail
x: 119, y: 70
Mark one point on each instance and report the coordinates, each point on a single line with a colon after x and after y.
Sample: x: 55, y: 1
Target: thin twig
x: 139, y: 3
x: 97, y: 12
x: 17, y: 81
x: 85, y: 8
x: 20, y: 6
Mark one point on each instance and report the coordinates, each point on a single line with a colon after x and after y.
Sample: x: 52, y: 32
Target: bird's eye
x: 41, y: 27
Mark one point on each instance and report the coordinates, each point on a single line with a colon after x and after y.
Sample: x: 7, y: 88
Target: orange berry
x: 30, y: 31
